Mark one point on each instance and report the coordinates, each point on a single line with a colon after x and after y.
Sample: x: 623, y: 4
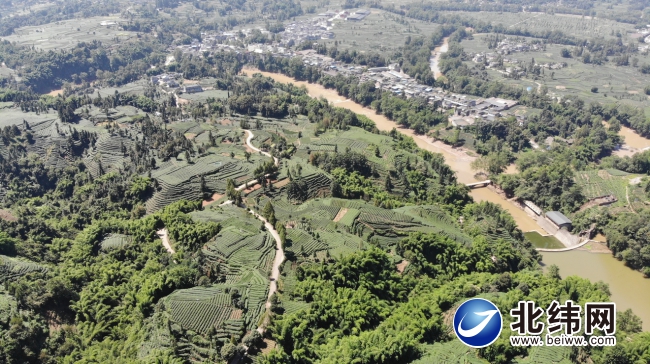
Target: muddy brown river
x: 629, y: 289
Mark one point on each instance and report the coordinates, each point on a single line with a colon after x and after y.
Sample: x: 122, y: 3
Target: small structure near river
x: 559, y: 220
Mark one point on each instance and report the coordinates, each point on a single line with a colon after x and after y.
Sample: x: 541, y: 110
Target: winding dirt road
x: 279, y: 254
x: 275, y: 271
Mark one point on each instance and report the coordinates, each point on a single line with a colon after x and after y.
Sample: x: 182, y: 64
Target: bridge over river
x: 480, y: 184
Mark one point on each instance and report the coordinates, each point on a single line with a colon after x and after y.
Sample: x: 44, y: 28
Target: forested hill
x: 377, y: 254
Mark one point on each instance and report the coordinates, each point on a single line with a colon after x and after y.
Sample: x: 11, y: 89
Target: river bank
x: 625, y: 284
x: 457, y: 158
x: 633, y: 143
x: 435, y: 57
x: 628, y: 287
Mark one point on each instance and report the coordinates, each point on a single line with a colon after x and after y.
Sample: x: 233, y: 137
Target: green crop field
x: 12, y: 268
x: 547, y: 355
x: 66, y: 34
x: 203, y: 96
x: 378, y: 31
x: 115, y: 241
x: 578, y: 26
x: 228, y: 309
x: 614, y: 83
x: 601, y: 183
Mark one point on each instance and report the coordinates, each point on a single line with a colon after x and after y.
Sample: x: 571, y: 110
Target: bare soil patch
x: 55, y: 92
x: 401, y: 266
x: 6, y: 215
x: 558, y: 87
x: 282, y: 183
x: 212, y: 199
x: 53, y: 320
x: 235, y: 314
x: 636, y: 180
x: 190, y: 136
x: 340, y: 214
x: 268, y: 346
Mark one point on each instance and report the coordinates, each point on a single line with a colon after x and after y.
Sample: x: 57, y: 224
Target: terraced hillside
x: 179, y: 180
x: 115, y: 241
x: 215, y: 314
x: 12, y: 268
x: 110, y: 151
x: 241, y: 247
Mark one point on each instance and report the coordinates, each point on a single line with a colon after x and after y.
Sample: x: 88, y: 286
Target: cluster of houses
x: 274, y: 50
x: 509, y: 45
x: 305, y: 30
x: 357, y: 15
x: 645, y: 33
x: 210, y: 43
x: 296, y: 32
x: 497, y: 61
x: 170, y: 81
x: 492, y: 59
x: 468, y: 111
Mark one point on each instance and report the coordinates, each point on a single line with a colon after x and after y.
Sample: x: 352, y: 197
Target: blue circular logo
x: 477, y: 322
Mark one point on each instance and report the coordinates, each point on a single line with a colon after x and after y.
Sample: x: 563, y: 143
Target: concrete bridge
x: 485, y: 183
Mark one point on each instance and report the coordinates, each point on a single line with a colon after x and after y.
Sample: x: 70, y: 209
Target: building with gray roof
x: 558, y: 219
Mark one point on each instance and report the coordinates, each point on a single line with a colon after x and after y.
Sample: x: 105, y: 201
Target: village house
x: 191, y: 89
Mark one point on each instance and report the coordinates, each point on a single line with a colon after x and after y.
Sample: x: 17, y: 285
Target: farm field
x: 615, y: 84
x: 379, y: 31
x: 539, y: 22
x: 207, y: 94
x: 11, y: 268
x: 451, y: 352
x: 66, y: 34
x: 136, y: 88
x: 605, y: 182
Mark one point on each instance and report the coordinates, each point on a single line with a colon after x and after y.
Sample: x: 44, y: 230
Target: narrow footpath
x: 163, y: 234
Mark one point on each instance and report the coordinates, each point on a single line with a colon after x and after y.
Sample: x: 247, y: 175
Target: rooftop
x: 558, y: 218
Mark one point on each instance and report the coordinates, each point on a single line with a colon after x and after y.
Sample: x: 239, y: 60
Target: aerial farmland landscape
x: 324, y: 182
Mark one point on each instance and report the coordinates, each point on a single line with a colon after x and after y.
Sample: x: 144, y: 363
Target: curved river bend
x: 629, y: 289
